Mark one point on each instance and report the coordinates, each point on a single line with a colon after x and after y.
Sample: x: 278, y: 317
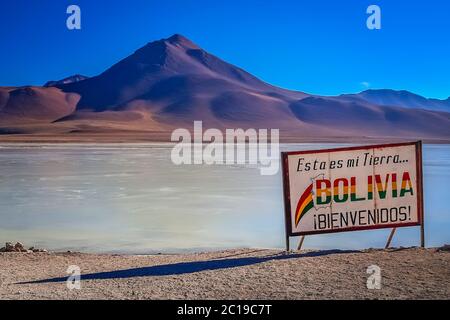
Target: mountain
x: 36, y: 103
x: 170, y: 69
x: 71, y: 79
x: 171, y: 82
x: 405, y: 99
x: 366, y: 119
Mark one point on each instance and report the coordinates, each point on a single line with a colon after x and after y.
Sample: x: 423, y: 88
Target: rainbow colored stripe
x: 305, y: 203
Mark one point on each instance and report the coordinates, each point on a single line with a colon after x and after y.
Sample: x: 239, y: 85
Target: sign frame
x: 419, y: 187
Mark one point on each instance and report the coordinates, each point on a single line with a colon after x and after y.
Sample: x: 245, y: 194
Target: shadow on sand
x: 190, y: 267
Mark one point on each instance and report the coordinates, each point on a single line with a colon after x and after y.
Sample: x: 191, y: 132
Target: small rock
x: 445, y: 247
x: 9, y: 247
x: 18, y: 247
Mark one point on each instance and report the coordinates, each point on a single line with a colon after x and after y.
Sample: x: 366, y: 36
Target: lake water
x: 130, y: 198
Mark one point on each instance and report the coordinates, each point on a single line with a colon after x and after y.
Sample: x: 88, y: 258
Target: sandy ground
x: 233, y: 274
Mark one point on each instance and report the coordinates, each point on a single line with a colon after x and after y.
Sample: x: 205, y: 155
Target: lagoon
x: 130, y: 198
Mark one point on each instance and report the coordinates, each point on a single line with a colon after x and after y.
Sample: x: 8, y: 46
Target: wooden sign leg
x: 422, y: 235
x: 388, y: 244
x: 287, y: 243
x: 300, y: 244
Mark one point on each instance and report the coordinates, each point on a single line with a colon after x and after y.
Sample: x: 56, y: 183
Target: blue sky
x: 320, y: 47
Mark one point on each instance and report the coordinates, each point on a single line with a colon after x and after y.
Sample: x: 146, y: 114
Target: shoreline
x: 406, y: 273
x: 164, y: 138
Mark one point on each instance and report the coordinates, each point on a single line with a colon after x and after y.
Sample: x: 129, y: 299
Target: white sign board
x: 353, y: 188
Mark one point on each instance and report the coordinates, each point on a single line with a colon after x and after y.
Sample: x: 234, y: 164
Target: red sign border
x: 286, y: 188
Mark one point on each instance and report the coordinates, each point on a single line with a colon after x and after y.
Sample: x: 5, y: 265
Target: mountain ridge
x: 401, y: 98
x: 70, y: 79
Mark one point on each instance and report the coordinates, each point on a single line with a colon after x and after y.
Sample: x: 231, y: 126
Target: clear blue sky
x: 317, y: 46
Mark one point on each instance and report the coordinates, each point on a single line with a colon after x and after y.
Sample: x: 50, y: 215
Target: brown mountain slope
x: 36, y: 103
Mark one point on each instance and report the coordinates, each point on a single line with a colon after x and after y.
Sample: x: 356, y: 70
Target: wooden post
x: 300, y: 244
x: 388, y: 244
x: 287, y: 213
x: 422, y: 212
x: 422, y: 235
x: 287, y: 243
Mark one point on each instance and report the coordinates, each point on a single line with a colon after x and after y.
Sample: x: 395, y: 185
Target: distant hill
x: 71, y: 79
x: 36, y: 103
x: 406, y: 99
x: 171, y: 82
